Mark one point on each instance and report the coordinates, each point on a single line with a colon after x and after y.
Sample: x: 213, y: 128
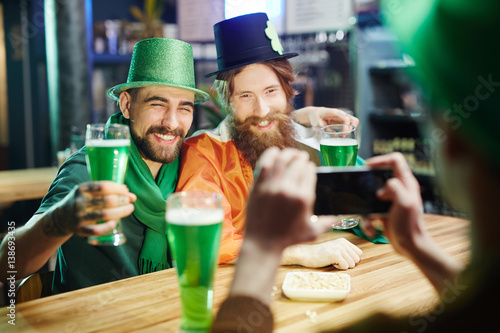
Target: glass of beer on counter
x: 339, y: 147
x: 106, y: 152
x: 194, y: 225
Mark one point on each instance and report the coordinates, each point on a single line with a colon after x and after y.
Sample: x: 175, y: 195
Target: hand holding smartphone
x: 351, y: 190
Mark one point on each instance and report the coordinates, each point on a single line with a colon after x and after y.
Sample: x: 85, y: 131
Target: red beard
x: 252, y: 143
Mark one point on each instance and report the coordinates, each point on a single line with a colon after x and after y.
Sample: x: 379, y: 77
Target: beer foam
x: 194, y: 216
x: 339, y: 142
x: 108, y: 143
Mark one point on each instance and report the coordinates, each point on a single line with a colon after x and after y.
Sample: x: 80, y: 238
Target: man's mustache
x: 162, y: 130
x: 256, y: 120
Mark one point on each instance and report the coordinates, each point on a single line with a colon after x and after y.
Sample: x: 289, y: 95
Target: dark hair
x: 134, y: 92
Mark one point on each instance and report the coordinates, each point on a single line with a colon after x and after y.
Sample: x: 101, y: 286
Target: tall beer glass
x: 194, y: 224
x: 106, y: 152
x: 339, y: 147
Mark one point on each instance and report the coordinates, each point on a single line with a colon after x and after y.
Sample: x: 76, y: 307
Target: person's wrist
x: 262, y: 246
x: 295, y: 255
x: 58, y: 221
x: 301, y: 116
x: 255, y: 270
x: 418, y: 243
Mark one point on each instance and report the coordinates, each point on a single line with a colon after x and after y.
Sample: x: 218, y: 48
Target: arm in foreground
x: 77, y: 213
x: 318, y: 117
x: 340, y: 253
x: 278, y: 215
x: 404, y: 226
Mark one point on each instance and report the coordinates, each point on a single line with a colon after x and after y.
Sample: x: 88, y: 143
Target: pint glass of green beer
x: 106, y: 152
x: 194, y: 225
x: 339, y: 147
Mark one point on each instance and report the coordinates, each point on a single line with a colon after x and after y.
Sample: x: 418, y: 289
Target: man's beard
x: 252, y: 143
x: 157, y: 152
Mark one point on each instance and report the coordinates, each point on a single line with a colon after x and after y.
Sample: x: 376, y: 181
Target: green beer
x: 339, y: 152
x: 194, y: 238
x: 107, y: 159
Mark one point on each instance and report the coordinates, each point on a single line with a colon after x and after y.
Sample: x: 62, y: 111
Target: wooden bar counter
x: 382, y: 281
x: 25, y: 184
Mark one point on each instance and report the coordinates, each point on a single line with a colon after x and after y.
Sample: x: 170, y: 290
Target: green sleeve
x: 73, y: 172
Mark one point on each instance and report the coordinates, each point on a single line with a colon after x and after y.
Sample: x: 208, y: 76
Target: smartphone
x: 350, y: 190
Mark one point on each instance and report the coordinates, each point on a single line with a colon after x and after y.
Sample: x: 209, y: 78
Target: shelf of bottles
x: 418, y: 156
x: 416, y: 152
x: 114, y: 40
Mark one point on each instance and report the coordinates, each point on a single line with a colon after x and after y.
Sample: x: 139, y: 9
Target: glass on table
x: 194, y: 226
x: 106, y: 152
x: 339, y: 147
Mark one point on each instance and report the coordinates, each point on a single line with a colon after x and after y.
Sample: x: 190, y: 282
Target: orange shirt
x: 210, y: 162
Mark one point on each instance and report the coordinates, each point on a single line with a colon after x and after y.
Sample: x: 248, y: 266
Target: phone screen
x: 350, y: 190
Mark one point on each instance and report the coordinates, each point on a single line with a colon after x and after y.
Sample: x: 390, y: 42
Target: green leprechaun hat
x: 457, y: 55
x: 161, y: 62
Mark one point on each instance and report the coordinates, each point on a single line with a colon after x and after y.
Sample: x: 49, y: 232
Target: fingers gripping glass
x: 106, y: 152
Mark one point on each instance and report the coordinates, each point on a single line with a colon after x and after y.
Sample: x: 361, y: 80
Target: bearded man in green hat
x: 157, y: 102
x: 457, y: 58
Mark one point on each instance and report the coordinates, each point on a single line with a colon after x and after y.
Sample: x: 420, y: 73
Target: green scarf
x: 151, y: 203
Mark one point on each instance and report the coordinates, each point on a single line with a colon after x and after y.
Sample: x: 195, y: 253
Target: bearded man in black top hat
x: 254, y: 82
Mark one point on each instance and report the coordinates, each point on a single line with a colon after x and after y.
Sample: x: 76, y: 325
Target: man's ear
x: 125, y: 101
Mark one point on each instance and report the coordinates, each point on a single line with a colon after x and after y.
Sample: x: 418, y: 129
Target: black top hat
x: 246, y: 40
